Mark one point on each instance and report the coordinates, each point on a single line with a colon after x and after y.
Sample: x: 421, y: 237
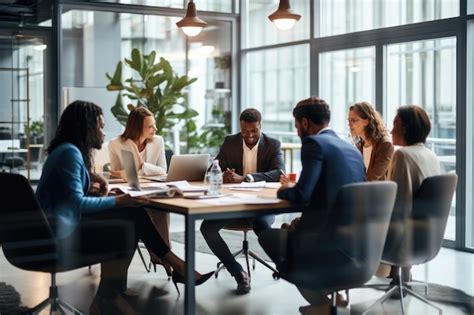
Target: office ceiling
x: 24, y: 12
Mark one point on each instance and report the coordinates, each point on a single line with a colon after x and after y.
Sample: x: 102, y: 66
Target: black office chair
x: 245, y: 226
x: 347, y: 254
x: 28, y: 243
x: 416, y: 238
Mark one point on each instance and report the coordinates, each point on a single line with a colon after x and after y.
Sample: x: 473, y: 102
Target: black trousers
x: 111, y: 237
x: 210, y: 230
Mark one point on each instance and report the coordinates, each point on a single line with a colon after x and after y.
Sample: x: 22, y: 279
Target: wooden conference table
x: 195, y: 210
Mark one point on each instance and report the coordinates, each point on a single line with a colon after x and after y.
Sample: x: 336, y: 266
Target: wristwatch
x: 248, y: 178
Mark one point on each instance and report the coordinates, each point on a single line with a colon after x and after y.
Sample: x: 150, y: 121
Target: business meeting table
x: 235, y: 204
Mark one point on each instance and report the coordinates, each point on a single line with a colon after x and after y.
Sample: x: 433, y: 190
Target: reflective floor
x: 158, y: 296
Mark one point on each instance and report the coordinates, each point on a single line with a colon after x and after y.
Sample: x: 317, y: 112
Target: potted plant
x: 36, y: 131
x: 154, y: 85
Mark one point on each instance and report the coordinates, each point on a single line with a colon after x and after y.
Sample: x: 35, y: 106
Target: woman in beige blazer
x: 149, y: 152
x: 410, y: 164
x: 371, y: 138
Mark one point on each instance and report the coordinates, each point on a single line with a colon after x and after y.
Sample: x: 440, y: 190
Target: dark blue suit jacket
x: 328, y: 163
x: 269, y: 157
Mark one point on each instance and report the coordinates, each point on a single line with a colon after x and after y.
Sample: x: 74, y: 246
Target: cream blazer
x: 154, y: 162
x: 409, y: 166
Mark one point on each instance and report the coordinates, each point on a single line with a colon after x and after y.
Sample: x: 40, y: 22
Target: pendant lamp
x: 191, y: 24
x: 284, y: 18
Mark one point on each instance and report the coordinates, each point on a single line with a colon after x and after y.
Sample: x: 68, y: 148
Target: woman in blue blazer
x: 83, y: 221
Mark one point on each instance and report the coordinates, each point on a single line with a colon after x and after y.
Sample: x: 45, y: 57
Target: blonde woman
x: 149, y: 153
x: 371, y: 138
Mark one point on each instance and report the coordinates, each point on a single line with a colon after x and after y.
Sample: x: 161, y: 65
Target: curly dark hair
x: 78, y: 125
x: 375, y: 129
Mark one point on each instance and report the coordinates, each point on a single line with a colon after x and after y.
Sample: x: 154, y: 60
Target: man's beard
x: 303, y: 133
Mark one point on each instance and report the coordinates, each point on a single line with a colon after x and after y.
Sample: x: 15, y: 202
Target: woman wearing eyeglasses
x: 371, y: 138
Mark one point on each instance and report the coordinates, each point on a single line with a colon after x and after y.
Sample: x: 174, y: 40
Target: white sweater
x: 154, y: 162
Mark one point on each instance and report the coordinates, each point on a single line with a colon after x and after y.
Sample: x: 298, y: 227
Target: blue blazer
x: 269, y: 157
x: 328, y: 163
x: 62, y: 190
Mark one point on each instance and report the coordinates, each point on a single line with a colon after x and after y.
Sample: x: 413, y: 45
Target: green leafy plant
x: 154, y: 85
x: 36, y: 127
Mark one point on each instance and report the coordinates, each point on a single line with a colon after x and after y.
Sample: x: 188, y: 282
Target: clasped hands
x: 230, y: 176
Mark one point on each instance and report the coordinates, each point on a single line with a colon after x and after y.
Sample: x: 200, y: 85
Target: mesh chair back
x: 423, y: 230
x: 346, y: 254
x: 21, y: 217
x: 25, y: 233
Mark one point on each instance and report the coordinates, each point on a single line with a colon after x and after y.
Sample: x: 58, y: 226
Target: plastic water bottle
x: 215, y: 179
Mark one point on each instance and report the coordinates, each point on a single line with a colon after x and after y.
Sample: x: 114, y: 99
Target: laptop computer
x: 131, y: 172
x: 190, y: 167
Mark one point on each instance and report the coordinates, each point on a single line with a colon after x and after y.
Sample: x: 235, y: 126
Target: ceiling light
x: 191, y: 24
x: 39, y: 47
x: 284, y: 18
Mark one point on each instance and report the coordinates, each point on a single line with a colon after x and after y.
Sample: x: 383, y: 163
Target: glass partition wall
x: 22, y: 94
x: 98, y: 40
x: 387, y: 53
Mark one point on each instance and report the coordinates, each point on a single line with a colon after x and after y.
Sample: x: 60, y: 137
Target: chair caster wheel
x: 276, y: 275
x: 216, y: 275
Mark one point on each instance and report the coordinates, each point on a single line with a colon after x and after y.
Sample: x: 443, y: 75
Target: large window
x: 276, y: 80
x: 470, y: 7
x: 341, y: 16
x: 424, y: 73
x: 346, y: 77
x: 256, y: 18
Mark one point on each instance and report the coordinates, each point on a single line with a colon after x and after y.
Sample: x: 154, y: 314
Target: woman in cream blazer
x: 410, y: 165
x: 149, y: 152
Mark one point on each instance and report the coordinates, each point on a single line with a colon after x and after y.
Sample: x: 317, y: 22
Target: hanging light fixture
x: 191, y: 24
x: 284, y: 18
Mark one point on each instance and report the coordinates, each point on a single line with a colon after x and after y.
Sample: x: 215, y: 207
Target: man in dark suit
x: 328, y: 162
x: 247, y: 156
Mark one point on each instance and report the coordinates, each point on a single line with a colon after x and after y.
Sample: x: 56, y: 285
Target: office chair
x: 28, y: 241
x: 245, y: 226
x: 346, y: 254
x: 416, y: 238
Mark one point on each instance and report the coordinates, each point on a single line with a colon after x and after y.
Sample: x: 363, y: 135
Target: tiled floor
x: 158, y: 296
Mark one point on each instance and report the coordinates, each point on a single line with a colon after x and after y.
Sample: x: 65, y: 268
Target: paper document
x: 241, y: 199
x: 273, y: 185
x: 184, y: 186
x: 150, y: 190
x: 255, y: 186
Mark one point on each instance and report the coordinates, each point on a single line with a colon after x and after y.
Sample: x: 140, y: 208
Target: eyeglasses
x: 352, y: 121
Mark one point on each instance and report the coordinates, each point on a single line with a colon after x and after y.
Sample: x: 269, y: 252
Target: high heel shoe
x: 179, y: 278
x: 164, y: 264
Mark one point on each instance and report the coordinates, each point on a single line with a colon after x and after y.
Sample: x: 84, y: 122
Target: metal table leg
x: 189, y: 290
